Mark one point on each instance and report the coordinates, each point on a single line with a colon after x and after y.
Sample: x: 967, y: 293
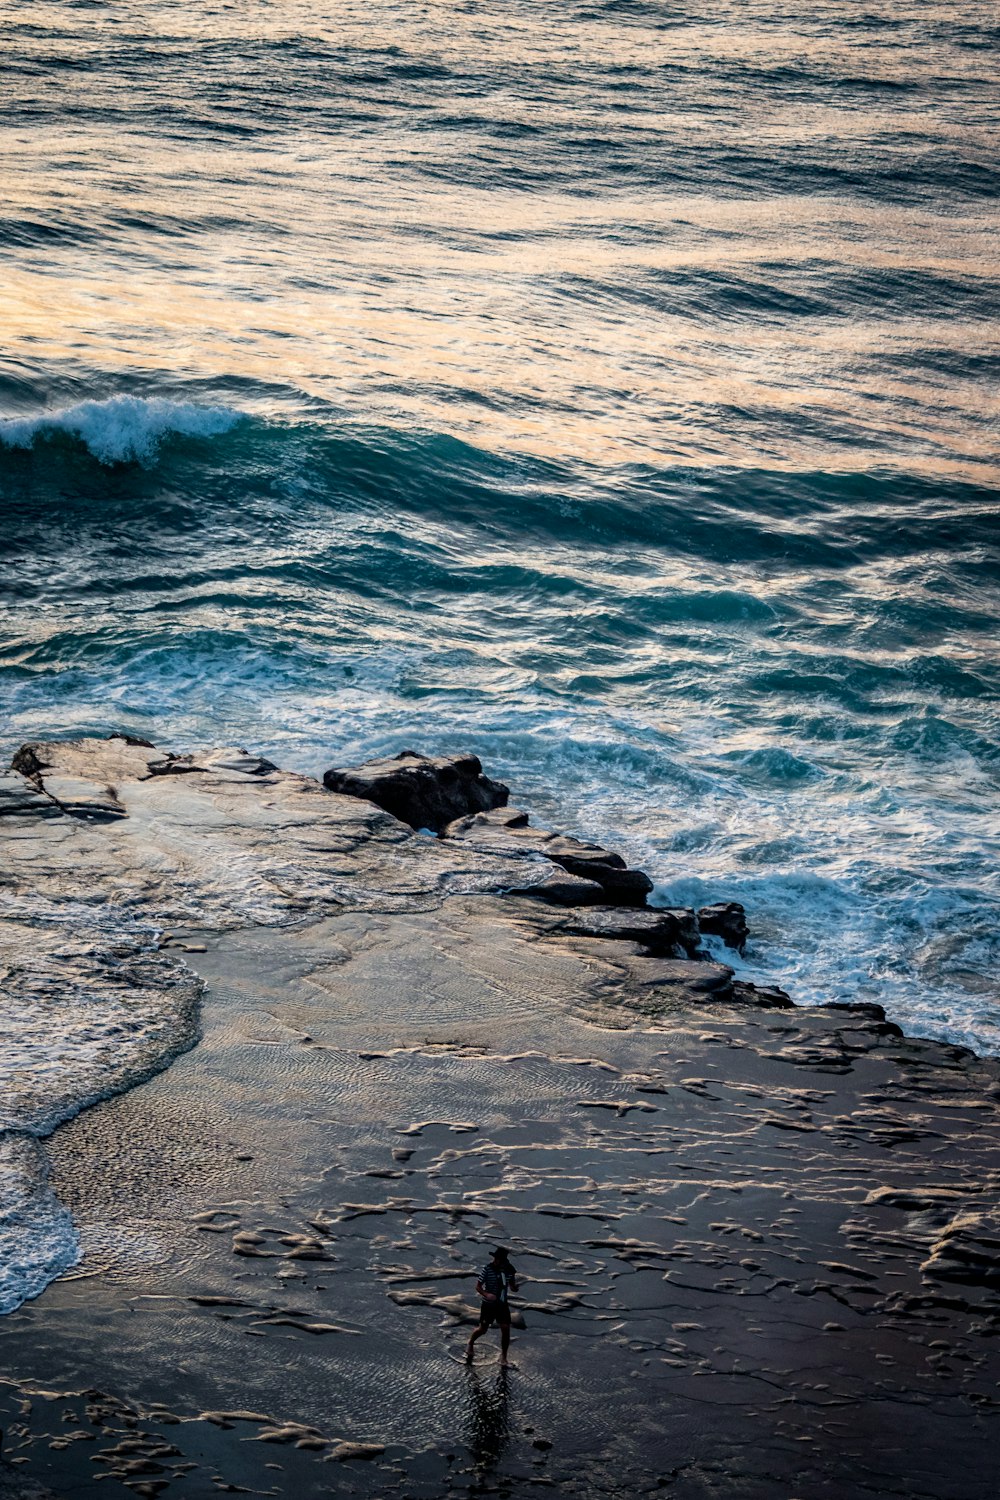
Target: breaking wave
x: 120, y: 429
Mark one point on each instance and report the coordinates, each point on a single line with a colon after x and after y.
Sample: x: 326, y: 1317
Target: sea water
x: 607, y: 388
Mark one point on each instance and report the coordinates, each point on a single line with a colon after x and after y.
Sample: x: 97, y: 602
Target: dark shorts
x: 494, y: 1312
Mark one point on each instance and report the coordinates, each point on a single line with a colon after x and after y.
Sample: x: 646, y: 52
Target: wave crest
x: 121, y: 429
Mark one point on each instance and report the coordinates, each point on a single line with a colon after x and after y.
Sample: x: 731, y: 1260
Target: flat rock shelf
x: 279, y: 1068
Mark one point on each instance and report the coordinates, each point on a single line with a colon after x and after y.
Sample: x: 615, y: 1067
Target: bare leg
x: 476, y: 1335
x: 504, y: 1342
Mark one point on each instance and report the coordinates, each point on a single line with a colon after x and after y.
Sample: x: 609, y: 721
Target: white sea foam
x: 37, y: 1238
x: 121, y: 429
x: 87, y: 1008
x: 84, y: 1011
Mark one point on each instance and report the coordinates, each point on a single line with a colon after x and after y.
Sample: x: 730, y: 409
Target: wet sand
x: 719, y: 1297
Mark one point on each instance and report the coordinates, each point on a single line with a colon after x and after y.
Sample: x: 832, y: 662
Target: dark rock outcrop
x: 764, y: 996
x: 421, y: 790
x: 508, y: 830
x: 564, y: 890
x: 727, y: 920
x: 621, y: 885
x: 27, y: 761
x: 671, y: 933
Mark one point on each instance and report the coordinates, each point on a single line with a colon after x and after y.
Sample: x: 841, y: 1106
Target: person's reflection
x: 489, y: 1418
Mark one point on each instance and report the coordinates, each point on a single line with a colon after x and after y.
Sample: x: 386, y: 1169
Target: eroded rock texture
x: 727, y: 920
x: 508, y: 833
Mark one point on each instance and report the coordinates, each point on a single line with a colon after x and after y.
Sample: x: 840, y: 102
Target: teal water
x: 608, y: 388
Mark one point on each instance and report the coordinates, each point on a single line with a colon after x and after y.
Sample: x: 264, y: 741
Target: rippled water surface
x: 608, y: 388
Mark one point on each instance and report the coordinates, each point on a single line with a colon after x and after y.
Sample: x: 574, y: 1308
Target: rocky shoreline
x: 425, y: 1023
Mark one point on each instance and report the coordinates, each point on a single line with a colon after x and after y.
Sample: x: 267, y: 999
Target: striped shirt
x: 494, y: 1281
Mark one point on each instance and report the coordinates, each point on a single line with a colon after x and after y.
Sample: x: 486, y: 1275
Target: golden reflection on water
x: 544, y: 396
x: 360, y: 265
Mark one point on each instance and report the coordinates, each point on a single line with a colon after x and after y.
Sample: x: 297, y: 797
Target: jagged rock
x: 871, y: 1013
x: 63, y: 772
x: 424, y: 791
x: 670, y: 932
x: 727, y: 920
x: 27, y: 761
x: 504, y: 817
x: 695, y: 980
x: 98, y: 765
x: 133, y: 739
x: 766, y: 997
x: 684, y: 922
x: 590, y: 862
x: 564, y: 890
x: 230, y: 762
x: 858, y: 1008
x: 231, y: 836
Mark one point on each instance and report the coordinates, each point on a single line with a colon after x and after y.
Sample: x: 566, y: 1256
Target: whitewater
x: 606, y: 389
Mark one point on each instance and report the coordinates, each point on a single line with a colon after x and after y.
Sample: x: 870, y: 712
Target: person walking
x: 496, y: 1280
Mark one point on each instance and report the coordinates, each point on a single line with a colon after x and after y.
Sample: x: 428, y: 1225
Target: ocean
x: 607, y: 388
